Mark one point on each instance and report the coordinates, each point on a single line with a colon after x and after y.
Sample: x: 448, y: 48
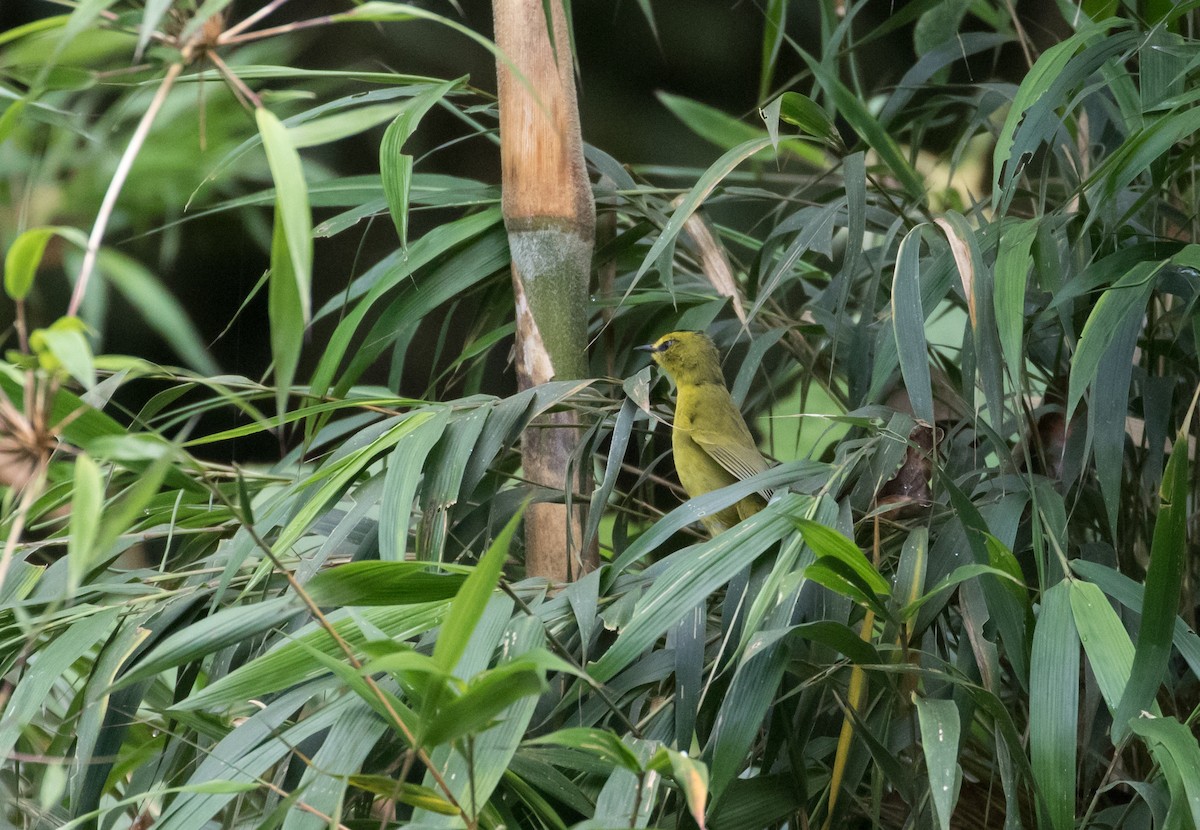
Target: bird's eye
x: 667, y: 344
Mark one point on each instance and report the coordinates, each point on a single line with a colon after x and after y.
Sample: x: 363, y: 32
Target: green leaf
x: 689, y: 774
x: 152, y: 16
x: 386, y: 276
x: 342, y: 124
x: 22, y: 260
x: 1054, y: 706
x: 908, y: 326
x: 775, y: 19
x: 956, y: 577
x: 210, y: 634
x: 381, y: 583
x: 131, y: 505
x: 485, y: 698
x: 291, y: 205
x: 826, y: 541
x: 850, y: 107
x: 289, y: 294
x: 939, y: 24
x: 1130, y: 594
x: 1135, y: 157
x: 1125, y: 299
x: 291, y: 662
x: 700, y: 191
x: 472, y: 598
x: 64, y: 347
x: 1104, y: 639
x: 1035, y: 116
x: 1164, y: 581
x: 87, y: 500
x: 54, y: 659
x: 690, y: 575
x: 841, y: 579
x: 1013, y: 262
x: 710, y: 123
x: 395, y: 166
x: 1173, y: 746
x: 414, y: 795
x: 387, y: 706
x: 404, y: 468
x: 806, y: 114
x: 34, y: 27
x: 285, y: 311
x: 334, y: 476
x: 939, y: 740
x: 599, y: 743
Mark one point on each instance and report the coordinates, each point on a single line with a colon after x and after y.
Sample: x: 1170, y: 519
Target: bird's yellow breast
x: 699, y: 472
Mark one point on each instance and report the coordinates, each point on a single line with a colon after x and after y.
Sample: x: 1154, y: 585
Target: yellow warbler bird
x: 713, y: 447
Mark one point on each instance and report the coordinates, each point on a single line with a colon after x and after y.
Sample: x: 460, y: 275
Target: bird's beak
x: 649, y: 347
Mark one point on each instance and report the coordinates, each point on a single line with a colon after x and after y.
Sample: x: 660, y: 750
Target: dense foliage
x: 961, y: 307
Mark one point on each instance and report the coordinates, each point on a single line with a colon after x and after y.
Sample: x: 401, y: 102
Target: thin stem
x: 637, y: 799
x: 32, y: 488
x: 118, y: 181
x: 22, y: 337
x: 1022, y: 36
x: 236, y: 29
x: 234, y: 81
x: 259, y: 34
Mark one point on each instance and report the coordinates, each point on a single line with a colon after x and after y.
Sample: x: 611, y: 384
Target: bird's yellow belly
x: 700, y: 474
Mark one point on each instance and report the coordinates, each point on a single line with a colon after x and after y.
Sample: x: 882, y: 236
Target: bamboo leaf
x: 209, y: 635
x: 704, y: 186
x: 693, y: 576
x: 86, y: 503
x: 1129, y: 593
x: 908, y: 326
x: 850, y: 107
x: 414, y: 795
x: 939, y: 740
x: 1107, y: 644
x: 151, y: 18
x: 285, y: 310
x: 1033, y: 117
x: 161, y: 311
x: 600, y: 743
x: 826, y: 541
x: 289, y: 291
x: 803, y: 112
x: 1125, y: 300
x: 469, y: 603
x: 1174, y: 746
x: 63, y: 347
x: 1164, y: 581
x: 405, y: 464
x: 1013, y: 263
x: 381, y: 583
x: 291, y: 206
x: 485, y: 698
x: 290, y: 663
x: 690, y: 775
x: 1054, y: 706
x: 23, y: 259
x: 395, y: 166
x: 54, y: 659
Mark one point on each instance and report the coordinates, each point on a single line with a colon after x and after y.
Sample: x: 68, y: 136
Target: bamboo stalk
x: 551, y: 219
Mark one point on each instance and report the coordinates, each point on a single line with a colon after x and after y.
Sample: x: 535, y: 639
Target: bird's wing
x: 741, y: 458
